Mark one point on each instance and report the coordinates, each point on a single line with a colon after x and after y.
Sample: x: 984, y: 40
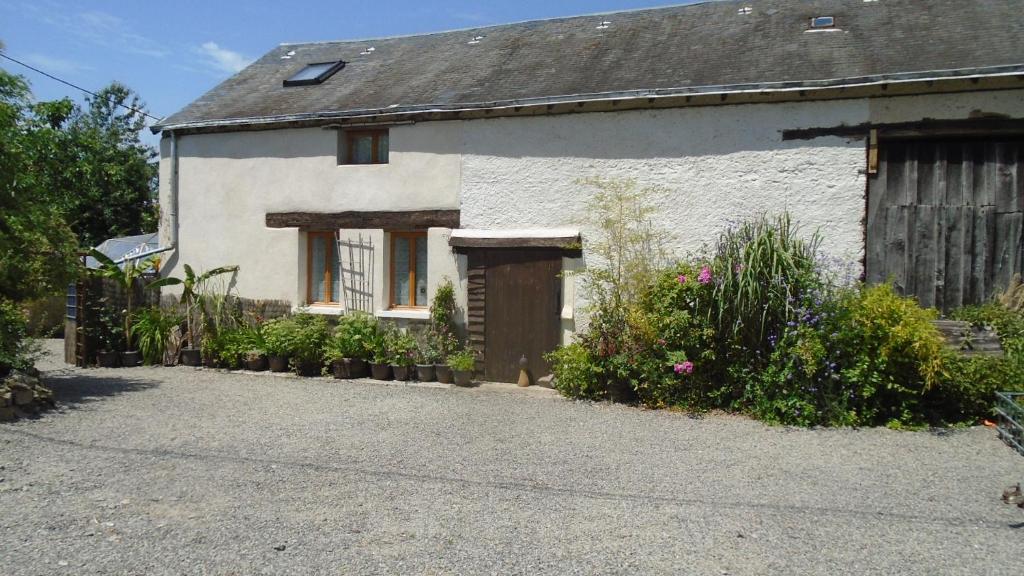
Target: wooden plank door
x: 945, y: 219
x: 521, y: 309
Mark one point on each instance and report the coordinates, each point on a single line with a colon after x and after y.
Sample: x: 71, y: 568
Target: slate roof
x: 680, y: 48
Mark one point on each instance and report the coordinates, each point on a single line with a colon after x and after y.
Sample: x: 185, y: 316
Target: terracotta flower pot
x: 380, y: 371
x: 108, y: 359
x: 191, y: 357
x: 425, y: 373
x: 444, y: 373
x: 278, y: 363
x: 401, y: 372
x: 463, y: 377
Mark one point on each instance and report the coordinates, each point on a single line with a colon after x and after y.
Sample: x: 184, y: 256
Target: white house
x: 360, y: 174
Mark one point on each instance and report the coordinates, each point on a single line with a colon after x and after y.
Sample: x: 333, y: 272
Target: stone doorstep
x: 7, y: 414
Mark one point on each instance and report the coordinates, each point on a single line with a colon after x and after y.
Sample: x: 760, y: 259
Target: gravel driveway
x: 185, y: 471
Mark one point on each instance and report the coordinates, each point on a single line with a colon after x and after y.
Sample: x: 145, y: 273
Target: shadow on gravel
x: 79, y: 388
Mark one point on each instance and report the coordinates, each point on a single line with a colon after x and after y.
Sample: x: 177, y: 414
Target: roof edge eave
x: 923, y: 77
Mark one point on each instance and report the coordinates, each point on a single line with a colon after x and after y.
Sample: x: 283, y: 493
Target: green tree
x: 107, y: 174
x: 37, y: 247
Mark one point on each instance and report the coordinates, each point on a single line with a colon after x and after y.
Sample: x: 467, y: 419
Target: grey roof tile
x: 709, y: 44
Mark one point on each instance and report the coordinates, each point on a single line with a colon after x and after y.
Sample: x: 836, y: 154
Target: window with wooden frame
x: 365, y: 147
x: 408, y: 270
x: 323, y: 279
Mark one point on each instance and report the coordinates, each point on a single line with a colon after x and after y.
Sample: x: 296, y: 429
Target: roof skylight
x: 823, y: 22
x: 314, y: 73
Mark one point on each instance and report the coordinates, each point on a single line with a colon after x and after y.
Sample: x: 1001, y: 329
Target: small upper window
x: 823, y: 22
x: 314, y: 73
x: 365, y: 147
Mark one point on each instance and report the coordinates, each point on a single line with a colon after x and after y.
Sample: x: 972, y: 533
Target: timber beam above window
x: 404, y: 220
x: 561, y: 238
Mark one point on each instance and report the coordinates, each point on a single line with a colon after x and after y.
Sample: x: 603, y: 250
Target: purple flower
x: 684, y: 367
x: 705, y: 275
x: 681, y: 279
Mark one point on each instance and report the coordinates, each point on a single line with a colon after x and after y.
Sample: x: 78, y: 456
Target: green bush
x: 577, y: 374
x: 152, y: 327
x: 278, y: 335
x: 462, y: 361
x: 14, y: 352
x: 309, y: 339
x: 401, y: 348
x: 352, y: 336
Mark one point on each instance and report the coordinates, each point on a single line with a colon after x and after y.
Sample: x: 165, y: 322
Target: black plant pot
x: 444, y: 373
x: 463, y: 377
x: 341, y: 368
x: 425, y: 373
x: 308, y: 369
x: 256, y: 363
x: 191, y: 357
x: 108, y: 359
x: 357, y: 368
x: 131, y: 358
x: 401, y: 372
x: 278, y: 363
x: 380, y: 371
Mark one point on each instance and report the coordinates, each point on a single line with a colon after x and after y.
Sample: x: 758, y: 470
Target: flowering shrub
x: 763, y: 326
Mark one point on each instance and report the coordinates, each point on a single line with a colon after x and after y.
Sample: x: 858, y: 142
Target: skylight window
x: 823, y: 22
x: 314, y: 73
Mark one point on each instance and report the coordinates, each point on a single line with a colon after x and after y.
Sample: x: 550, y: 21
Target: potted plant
x: 190, y: 299
x: 309, y: 344
x: 444, y: 343
x: 108, y: 335
x: 427, y: 356
x: 376, y: 347
x: 402, y: 354
x: 347, y: 348
x: 462, y: 363
x: 277, y: 340
x: 125, y: 275
x: 254, y: 351
x: 152, y: 328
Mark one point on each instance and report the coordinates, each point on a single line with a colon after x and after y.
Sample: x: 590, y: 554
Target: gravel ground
x: 185, y: 471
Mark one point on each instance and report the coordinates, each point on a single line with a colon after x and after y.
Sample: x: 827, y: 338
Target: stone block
x: 7, y: 414
x: 23, y: 396
x: 546, y: 381
x: 6, y: 399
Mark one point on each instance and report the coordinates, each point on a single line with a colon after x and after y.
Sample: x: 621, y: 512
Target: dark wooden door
x: 521, y: 309
x: 945, y: 219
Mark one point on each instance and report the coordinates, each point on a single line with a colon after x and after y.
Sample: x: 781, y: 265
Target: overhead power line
x: 76, y: 87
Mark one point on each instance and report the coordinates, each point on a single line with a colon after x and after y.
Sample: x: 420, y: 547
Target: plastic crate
x: 1010, y: 419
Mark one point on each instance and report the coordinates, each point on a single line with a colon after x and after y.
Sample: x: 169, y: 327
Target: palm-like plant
x: 191, y: 285
x: 125, y: 276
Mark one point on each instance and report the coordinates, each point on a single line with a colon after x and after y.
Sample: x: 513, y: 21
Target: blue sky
x: 172, y: 52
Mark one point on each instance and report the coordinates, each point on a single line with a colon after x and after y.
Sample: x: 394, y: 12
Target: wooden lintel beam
x: 403, y: 220
x: 564, y: 243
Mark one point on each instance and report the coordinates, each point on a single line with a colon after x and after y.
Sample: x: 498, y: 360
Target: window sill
x: 325, y: 309
x: 406, y: 314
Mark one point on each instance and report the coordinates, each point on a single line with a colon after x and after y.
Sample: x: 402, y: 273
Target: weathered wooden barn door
x: 944, y: 219
x: 514, y: 309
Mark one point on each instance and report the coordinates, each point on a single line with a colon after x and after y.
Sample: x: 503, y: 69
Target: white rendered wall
x: 717, y: 166
x: 229, y: 182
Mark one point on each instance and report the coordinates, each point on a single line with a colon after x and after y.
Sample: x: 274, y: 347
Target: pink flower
x: 684, y: 367
x: 705, y: 275
x: 662, y: 342
x: 681, y: 278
